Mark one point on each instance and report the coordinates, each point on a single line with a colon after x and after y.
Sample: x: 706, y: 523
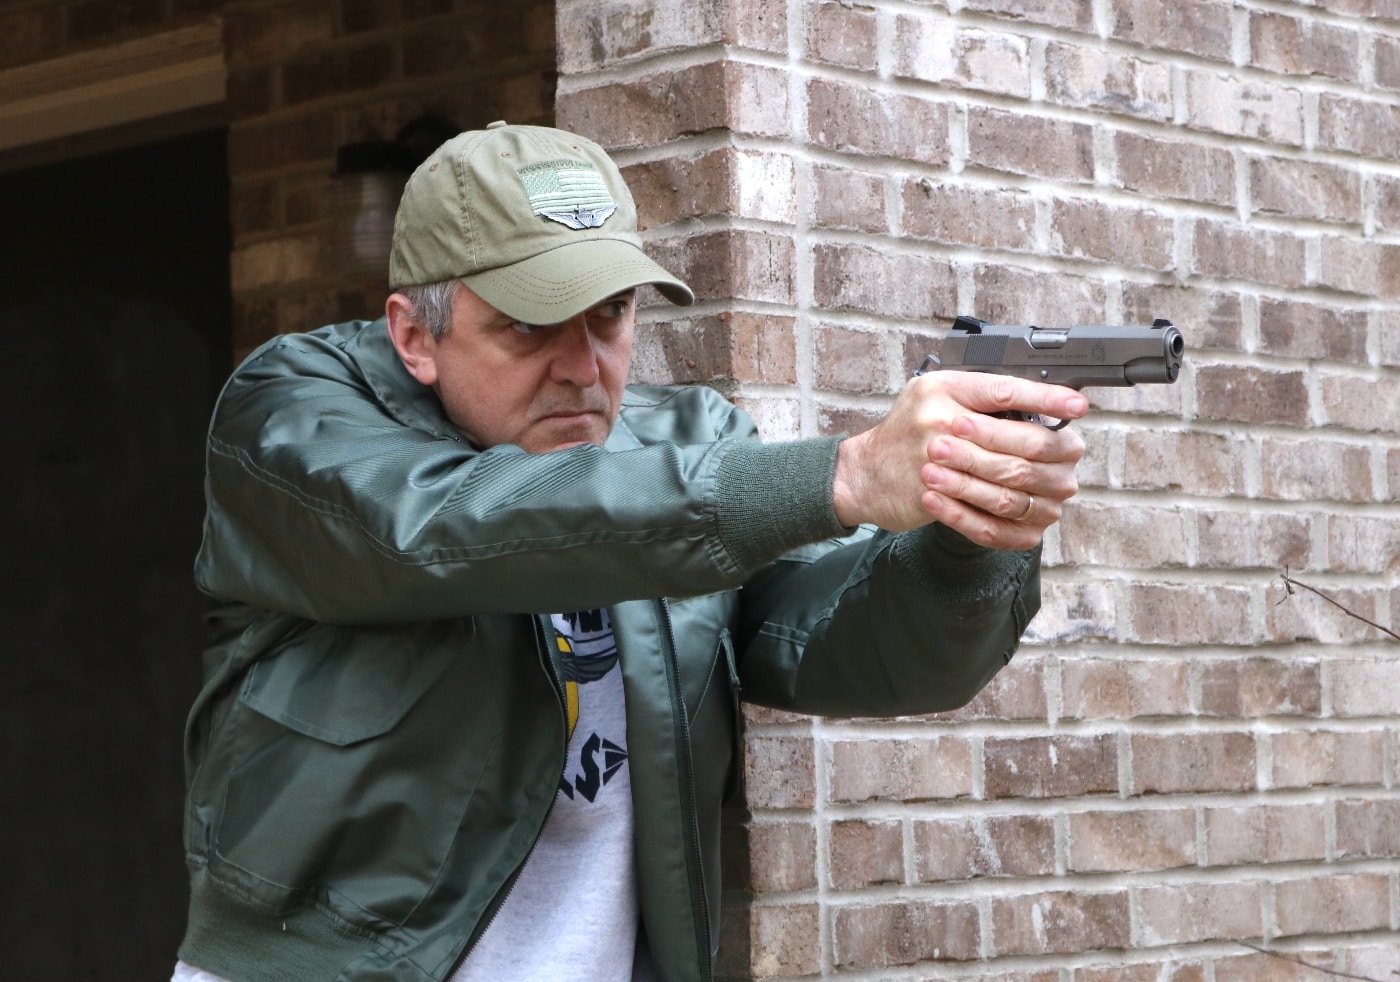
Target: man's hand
x: 938, y: 455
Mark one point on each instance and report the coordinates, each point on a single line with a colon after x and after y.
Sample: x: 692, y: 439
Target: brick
x: 1333, y: 904
x: 737, y: 345
x: 1304, y: 46
x: 1125, y: 236
x: 1368, y: 829
x: 1036, y: 146
x: 1321, y: 758
x: 1090, y: 78
x: 770, y: 857
x: 842, y: 34
x: 1362, y: 545
x: 1252, y: 688
x: 1253, y: 395
x: 724, y: 96
x: 1342, y: 406
x: 1386, y: 327
x: 941, y: 52
x: 1110, y: 535
x: 1226, y: 104
x: 1206, y: 318
x: 1199, y: 27
x: 1305, y: 189
x: 847, y: 198
x: 1315, y: 470
x: 865, y: 853
x: 904, y: 933
x: 1061, y: 922
x: 1116, y: 688
x: 1298, y: 329
x: 1192, y: 762
x: 617, y: 32
x: 276, y: 262
x: 857, y: 119
x: 1362, y: 688
x: 851, y: 361
x: 900, y: 770
x: 845, y: 420
x: 1050, y: 767
x: 779, y: 772
x: 260, y: 34
x: 1361, y: 126
x: 1072, y: 14
x: 1300, y: 966
x: 764, y: 942
x: 1188, y: 614
x: 729, y: 182
x: 1176, y: 170
x: 733, y: 263
x: 1387, y: 62
x: 1127, y: 841
x: 997, y: 845
x: 1073, y: 613
x: 961, y: 215
x: 1256, y: 834
x: 1231, y: 251
x: 1364, y: 267
x: 1206, y: 464
x: 858, y: 277
x: 1016, y: 692
x: 31, y: 35
x: 1010, y: 295
x: 1303, y: 616
x: 1168, y: 971
x: 1198, y: 912
x: 1253, y: 540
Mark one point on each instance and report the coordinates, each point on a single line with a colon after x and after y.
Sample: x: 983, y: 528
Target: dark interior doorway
x: 115, y: 326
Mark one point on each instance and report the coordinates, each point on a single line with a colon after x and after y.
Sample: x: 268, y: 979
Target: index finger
x: 988, y: 393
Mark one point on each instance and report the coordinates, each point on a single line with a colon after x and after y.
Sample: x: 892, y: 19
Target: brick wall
x: 1185, y: 764
x: 306, y: 78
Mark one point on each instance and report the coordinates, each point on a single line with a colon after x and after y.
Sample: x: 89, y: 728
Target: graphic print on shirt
x: 588, y: 655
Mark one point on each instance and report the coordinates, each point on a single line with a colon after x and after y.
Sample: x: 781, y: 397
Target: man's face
x: 540, y: 387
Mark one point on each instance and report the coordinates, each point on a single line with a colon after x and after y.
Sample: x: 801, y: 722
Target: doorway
x: 115, y: 325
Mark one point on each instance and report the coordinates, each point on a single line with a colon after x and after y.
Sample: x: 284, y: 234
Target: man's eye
x: 520, y: 327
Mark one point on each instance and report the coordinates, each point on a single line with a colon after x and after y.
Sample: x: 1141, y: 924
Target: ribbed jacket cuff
x: 773, y: 497
x: 955, y: 568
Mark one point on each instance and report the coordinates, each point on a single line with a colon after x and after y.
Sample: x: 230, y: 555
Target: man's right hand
x: 939, y: 455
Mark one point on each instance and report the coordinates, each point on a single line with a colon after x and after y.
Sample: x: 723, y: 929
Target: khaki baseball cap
x: 536, y: 221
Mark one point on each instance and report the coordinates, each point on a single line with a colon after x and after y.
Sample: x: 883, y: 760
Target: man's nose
x: 576, y: 354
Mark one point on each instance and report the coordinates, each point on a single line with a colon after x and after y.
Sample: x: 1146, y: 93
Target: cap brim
x: 562, y: 283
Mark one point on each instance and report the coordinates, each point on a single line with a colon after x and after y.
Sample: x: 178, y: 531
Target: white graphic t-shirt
x: 572, y: 913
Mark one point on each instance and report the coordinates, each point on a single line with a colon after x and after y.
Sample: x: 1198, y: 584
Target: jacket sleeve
x: 324, y: 504
x: 895, y: 625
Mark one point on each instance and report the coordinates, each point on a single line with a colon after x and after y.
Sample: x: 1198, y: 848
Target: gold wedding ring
x: 1030, y: 509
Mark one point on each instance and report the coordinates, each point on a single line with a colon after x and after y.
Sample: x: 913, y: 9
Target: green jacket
x: 382, y: 727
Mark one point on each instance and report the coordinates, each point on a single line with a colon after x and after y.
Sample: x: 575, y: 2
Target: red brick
x: 770, y: 857
x: 1175, y: 170
x: 847, y: 198
x: 1362, y: 687
x: 779, y: 772
x: 1314, y: 470
x: 1168, y: 971
x: 857, y: 119
x: 1362, y: 545
x: 1206, y: 318
x: 1204, y: 464
x: 1231, y: 251
x: 1255, y: 834
x: 1387, y: 62
x: 1073, y: 14
x: 863, y: 853
x: 1116, y: 688
x: 1305, y: 189
x: 1365, y: 267
x: 1253, y: 540
x: 1192, y: 762
x: 1298, y: 329
x: 1111, y: 535
x: 842, y: 34
x: 1050, y: 767
x: 851, y: 361
x: 938, y: 51
x: 1125, y: 236
x: 1304, y: 966
x: 726, y: 181
x: 1342, y: 406
x: 903, y: 933
x: 900, y: 770
x: 1188, y: 614
x: 1320, y: 758
x: 1011, y: 295
x: 1362, y: 126
x: 1074, y: 612
x: 1304, y: 46
x: 1304, y: 616
x: 1227, y: 104
x: 962, y: 215
x: 846, y: 420
x: 1061, y: 922
x: 880, y: 281
x: 997, y: 845
x: 1028, y: 144
x: 1386, y: 326
x: 1368, y: 829
x: 1251, y: 688
x: 268, y: 33
x: 1200, y: 27
x: 1333, y: 904
x: 735, y: 345
x: 1253, y: 395
x: 1090, y: 78
x: 1114, y: 841
x: 764, y: 942
x: 733, y: 263
x: 1016, y: 692
x: 1199, y: 912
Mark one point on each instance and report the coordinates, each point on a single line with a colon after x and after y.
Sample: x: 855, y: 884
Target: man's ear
x: 416, y: 347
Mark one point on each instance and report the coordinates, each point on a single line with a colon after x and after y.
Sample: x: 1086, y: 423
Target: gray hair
x: 432, y: 305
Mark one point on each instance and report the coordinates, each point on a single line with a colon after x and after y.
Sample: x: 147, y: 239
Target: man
x: 486, y: 612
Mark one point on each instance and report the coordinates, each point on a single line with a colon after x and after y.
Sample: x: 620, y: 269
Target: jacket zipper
x: 699, y: 900
x: 548, y: 661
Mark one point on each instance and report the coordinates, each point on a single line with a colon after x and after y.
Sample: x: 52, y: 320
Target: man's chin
x: 566, y: 432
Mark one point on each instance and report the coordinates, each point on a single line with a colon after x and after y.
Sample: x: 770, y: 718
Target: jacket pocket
x: 354, y: 754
